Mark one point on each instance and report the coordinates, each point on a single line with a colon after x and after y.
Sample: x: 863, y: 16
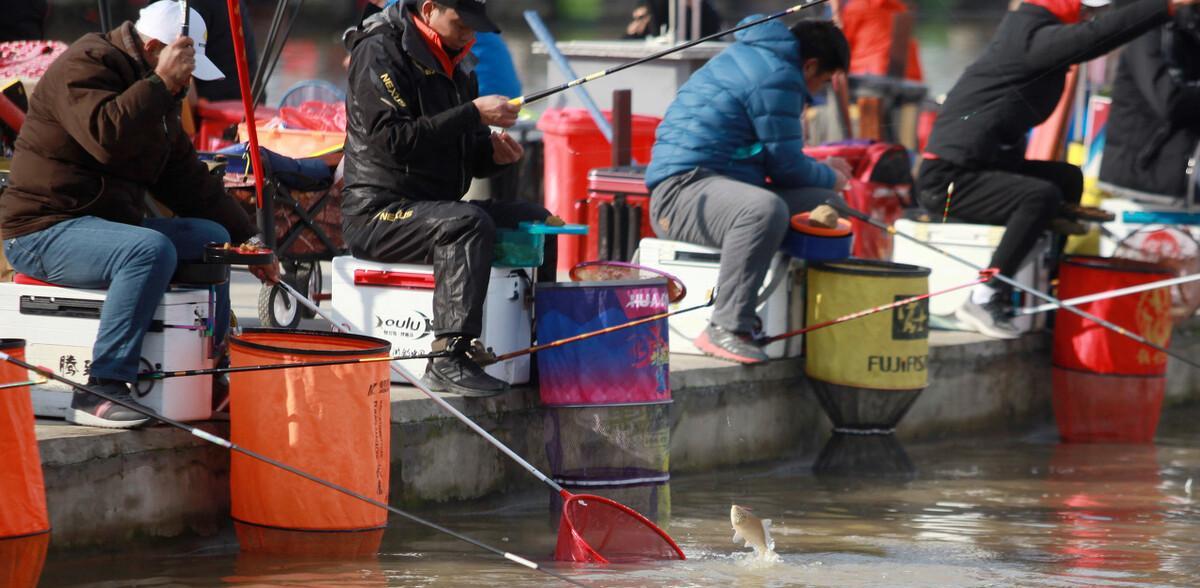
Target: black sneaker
x: 730, y: 345
x: 93, y: 411
x: 458, y: 372
x: 993, y: 319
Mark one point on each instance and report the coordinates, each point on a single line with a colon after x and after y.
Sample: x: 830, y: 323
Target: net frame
x: 569, y: 533
x: 676, y: 290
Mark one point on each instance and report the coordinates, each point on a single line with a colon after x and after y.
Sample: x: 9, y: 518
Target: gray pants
x: 747, y: 222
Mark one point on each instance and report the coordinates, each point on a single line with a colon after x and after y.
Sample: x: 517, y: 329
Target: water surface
x: 987, y: 512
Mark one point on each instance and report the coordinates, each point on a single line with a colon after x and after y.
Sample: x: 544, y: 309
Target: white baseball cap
x: 1096, y: 3
x: 161, y: 20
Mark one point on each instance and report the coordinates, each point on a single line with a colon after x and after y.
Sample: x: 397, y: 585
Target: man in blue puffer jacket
x: 736, y: 123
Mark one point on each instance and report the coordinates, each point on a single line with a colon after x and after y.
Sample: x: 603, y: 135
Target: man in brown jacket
x: 103, y: 128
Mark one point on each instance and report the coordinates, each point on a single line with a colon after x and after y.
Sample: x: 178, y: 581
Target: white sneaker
x: 992, y: 319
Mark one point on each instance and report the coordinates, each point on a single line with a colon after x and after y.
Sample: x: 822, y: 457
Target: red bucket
x: 1097, y: 408
x: 1083, y: 345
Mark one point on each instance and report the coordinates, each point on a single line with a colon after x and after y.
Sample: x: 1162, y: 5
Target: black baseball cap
x: 473, y: 13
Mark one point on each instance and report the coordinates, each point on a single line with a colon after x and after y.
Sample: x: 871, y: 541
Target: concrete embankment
x: 105, y: 487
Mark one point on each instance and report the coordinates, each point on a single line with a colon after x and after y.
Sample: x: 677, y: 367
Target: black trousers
x: 457, y: 238
x: 1023, y: 197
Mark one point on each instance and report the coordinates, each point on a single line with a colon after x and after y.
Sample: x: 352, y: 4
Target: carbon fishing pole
x: 1110, y: 294
x: 542, y: 94
x: 844, y: 208
x: 984, y: 276
x: 184, y: 18
x: 162, y: 375
x: 19, y: 384
x: 215, y: 440
x: 649, y: 319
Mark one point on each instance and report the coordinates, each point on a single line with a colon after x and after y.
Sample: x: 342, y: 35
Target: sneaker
x: 459, y: 372
x: 730, y: 345
x: 93, y: 411
x: 992, y: 319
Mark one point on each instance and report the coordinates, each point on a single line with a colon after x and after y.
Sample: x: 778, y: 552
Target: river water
x: 1011, y: 511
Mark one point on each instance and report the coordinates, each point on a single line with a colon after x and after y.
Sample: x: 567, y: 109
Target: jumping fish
x: 755, y: 532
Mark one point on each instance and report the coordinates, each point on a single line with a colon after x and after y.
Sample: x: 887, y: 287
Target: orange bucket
x: 23, y: 503
x: 22, y: 559
x: 333, y: 422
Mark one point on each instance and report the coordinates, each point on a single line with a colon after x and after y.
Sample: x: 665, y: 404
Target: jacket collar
x: 433, y: 42
x: 394, y: 21
x: 125, y: 38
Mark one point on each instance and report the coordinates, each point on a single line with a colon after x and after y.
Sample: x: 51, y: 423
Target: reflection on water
x: 987, y: 512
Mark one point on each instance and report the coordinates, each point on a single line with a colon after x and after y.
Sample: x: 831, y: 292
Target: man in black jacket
x: 1154, y: 126
x: 975, y: 156
x: 417, y: 132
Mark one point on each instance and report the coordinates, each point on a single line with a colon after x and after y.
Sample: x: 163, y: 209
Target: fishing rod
x: 844, y: 208
x: 36, y: 382
x: 649, y: 319
x: 1109, y: 294
x: 984, y: 276
x: 162, y: 375
x: 215, y: 440
x: 542, y: 94
x: 483, y: 361
x: 184, y: 18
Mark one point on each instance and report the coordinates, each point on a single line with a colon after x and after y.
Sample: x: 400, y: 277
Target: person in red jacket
x: 869, y: 25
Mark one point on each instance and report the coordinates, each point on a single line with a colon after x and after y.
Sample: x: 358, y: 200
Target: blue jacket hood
x: 773, y: 36
x: 741, y: 116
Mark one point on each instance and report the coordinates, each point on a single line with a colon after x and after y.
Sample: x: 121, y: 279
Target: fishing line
x: 215, y: 440
x: 1058, y: 304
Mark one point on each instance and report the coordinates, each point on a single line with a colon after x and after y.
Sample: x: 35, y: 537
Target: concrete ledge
x: 110, y: 486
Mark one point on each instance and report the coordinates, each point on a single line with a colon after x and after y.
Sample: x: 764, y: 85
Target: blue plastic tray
x: 545, y: 229
x: 1161, y: 218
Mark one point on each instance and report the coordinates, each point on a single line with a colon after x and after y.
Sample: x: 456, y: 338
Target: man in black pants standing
x: 975, y: 156
x: 417, y: 132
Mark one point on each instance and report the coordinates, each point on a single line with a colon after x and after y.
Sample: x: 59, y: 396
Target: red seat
x: 20, y: 278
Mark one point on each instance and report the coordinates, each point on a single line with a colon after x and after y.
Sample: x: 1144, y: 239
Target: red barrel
x: 22, y: 491
x: 1108, y: 387
x: 1098, y: 408
x: 573, y: 147
x: 1083, y: 345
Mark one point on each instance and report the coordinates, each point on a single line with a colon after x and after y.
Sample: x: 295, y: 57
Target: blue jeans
x: 133, y: 263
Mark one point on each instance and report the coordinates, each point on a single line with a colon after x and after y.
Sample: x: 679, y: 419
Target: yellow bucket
x: 883, y: 351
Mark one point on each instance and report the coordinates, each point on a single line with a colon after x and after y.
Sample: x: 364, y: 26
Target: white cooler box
x: 59, y: 326
x: 697, y: 267
x: 975, y: 243
x: 395, y: 302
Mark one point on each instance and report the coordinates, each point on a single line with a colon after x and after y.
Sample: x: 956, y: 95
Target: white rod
x: 1110, y: 294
